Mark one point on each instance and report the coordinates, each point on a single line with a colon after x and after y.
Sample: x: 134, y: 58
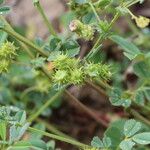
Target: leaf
x: 96, y: 142
x: 38, y: 62
x: 104, y: 3
x: 81, y: 1
x: 1, y: 1
x: 3, y: 128
x: 142, y: 138
x: 39, y: 126
x: 131, y: 127
x: 3, y: 37
x: 114, y: 132
x: 71, y: 47
x: 51, y: 145
x: 53, y: 55
x: 139, y: 97
x: 118, y: 99
x: 141, y: 69
x: 126, y: 145
x: 39, y: 42
x: 4, y: 10
x: 115, y: 97
x: 16, y: 133
x: 89, y: 18
x: 130, y: 50
x: 21, y: 117
x: 67, y: 18
x: 106, y: 142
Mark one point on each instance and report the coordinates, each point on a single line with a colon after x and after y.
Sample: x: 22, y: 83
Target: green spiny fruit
x: 7, y: 50
x: 4, y: 65
x: 96, y: 71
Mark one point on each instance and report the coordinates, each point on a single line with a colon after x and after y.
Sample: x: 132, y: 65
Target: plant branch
x: 139, y: 116
x: 52, y: 129
x: 86, y: 109
x: 94, y: 11
x: 46, y: 105
x: 97, y: 88
x: 24, y: 40
x: 47, y: 22
x: 56, y: 137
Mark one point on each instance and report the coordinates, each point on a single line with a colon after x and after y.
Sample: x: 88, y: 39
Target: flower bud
x: 142, y: 22
x: 83, y: 30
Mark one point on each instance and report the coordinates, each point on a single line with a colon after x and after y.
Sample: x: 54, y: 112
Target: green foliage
x: 71, y: 71
x: 130, y: 50
x: 4, y: 9
x: 35, y: 80
x: 125, y: 138
x: 119, y: 98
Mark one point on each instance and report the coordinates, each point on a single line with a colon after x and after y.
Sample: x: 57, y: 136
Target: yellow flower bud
x: 141, y: 21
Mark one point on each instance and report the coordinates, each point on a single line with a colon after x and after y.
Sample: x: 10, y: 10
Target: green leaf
x: 53, y: 55
x: 114, y: 132
x: 89, y: 18
x: 39, y: 126
x: 96, y: 142
x: 21, y: 117
x: 104, y: 3
x: 51, y: 145
x: 116, y: 98
x: 4, y: 10
x: 131, y: 127
x: 67, y: 18
x: 38, y: 62
x: 106, y: 142
x: 16, y: 133
x: 126, y: 145
x: 81, y: 1
x: 1, y: 1
x: 139, y: 97
x: 3, y: 128
x: 142, y: 138
x: 3, y: 37
x: 141, y: 69
x: 130, y: 50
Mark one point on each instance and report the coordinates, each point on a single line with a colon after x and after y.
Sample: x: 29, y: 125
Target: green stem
x: 94, y: 11
x: 56, y: 137
x: 21, y: 44
x: 86, y: 109
x: 24, y: 40
x: 114, y: 20
x: 53, y: 129
x: 47, y: 104
x: 41, y: 11
x: 142, y: 107
x: 132, y: 3
x: 139, y: 116
x: 97, y: 88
